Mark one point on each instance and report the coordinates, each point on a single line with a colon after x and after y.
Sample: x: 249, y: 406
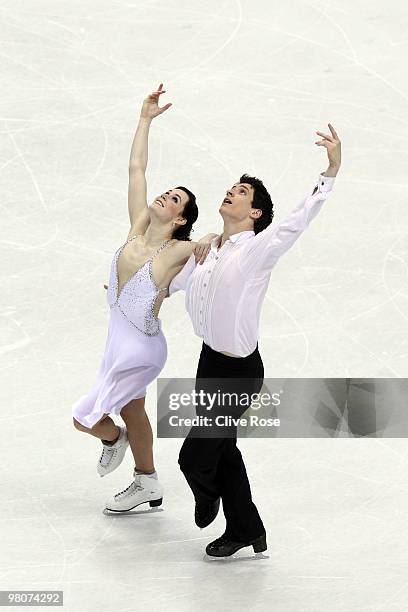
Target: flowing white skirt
x: 131, y: 361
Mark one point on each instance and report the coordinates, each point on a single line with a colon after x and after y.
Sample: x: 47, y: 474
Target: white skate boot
x: 112, y: 456
x: 144, y: 488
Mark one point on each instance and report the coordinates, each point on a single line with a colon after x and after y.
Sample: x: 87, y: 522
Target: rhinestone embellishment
x: 138, y: 296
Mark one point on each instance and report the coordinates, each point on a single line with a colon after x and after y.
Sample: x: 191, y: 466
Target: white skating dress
x: 135, y: 350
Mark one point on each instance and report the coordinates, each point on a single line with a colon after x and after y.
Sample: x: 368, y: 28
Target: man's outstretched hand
x: 333, y: 146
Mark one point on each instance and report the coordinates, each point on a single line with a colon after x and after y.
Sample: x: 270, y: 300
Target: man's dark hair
x: 190, y: 212
x: 261, y: 200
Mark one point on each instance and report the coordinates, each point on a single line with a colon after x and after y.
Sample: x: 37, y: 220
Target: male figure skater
x: 223, y: 298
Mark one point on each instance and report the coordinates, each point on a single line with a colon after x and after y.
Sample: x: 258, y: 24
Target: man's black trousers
x: 213, y: 466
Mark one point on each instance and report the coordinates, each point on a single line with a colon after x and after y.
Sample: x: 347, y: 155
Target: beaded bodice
x: 138, y: 295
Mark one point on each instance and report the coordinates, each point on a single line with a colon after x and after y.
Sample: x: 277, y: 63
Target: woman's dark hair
x: 261, y: 200
x: 190, y: 212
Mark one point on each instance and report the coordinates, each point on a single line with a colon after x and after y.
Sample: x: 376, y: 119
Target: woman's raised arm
x: 137, y: 192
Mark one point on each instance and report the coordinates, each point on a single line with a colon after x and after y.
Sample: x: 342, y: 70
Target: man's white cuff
x: 325, y: 183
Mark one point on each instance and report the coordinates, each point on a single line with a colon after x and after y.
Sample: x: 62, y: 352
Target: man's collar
x: 239, y: 235
x: 215, y: 242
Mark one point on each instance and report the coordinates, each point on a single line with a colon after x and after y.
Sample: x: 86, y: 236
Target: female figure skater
x: 157, y: 247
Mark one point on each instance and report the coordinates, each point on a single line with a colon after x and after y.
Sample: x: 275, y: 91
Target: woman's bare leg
x: 104, y: 429
x: 140, y: 434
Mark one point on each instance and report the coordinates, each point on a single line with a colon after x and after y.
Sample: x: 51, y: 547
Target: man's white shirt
x: 224, y: 295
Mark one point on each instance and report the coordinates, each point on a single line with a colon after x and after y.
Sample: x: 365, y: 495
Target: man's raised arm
x: 262, y: 251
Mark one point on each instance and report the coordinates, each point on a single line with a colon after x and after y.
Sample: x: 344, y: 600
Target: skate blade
x: 154, y: 507
x: 232, y: 558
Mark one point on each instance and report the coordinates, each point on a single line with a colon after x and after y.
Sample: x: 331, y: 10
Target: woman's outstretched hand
x: 151, y: 108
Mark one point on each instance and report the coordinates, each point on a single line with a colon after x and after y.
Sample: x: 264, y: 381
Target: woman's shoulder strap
x: 163, y: 246
x: 133, y: 237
